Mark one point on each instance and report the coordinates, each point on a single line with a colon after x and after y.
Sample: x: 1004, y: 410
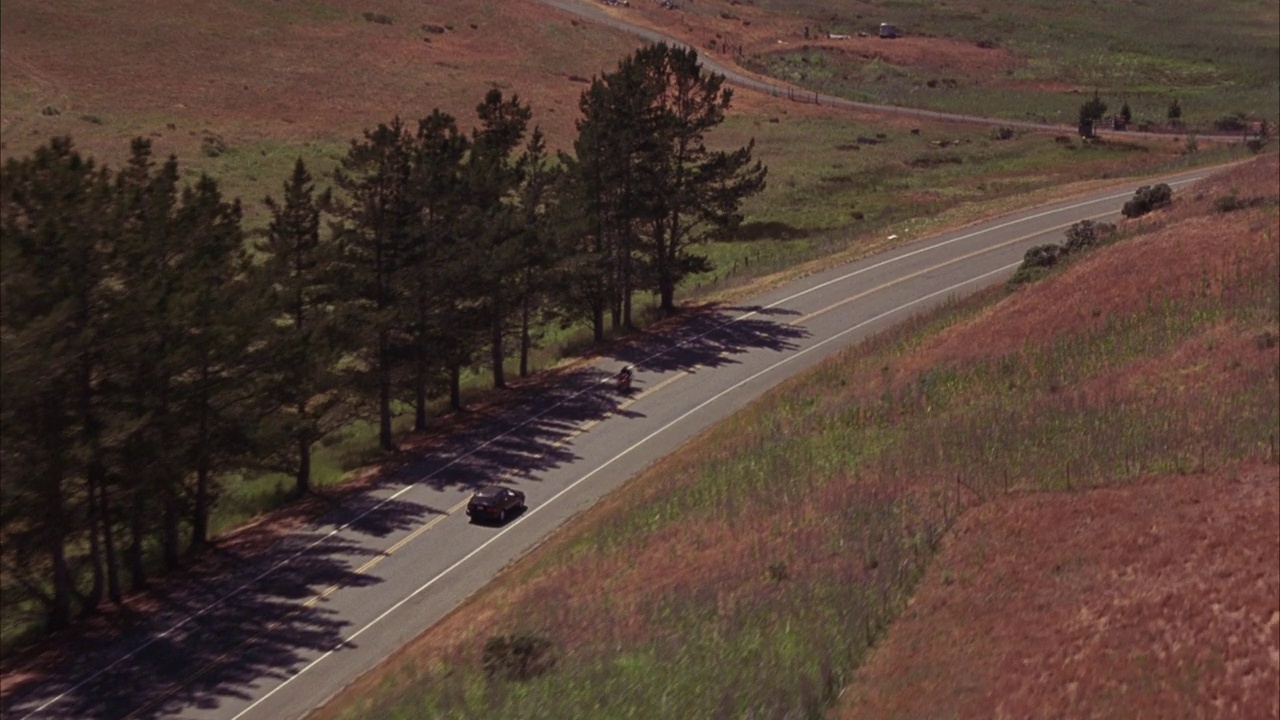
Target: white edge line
x: 236, y: 591
x: 609, y: 462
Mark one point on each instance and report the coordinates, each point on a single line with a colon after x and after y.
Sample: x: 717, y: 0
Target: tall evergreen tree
x: 307, y: 335
x: 218, y: 327
x: 380, y: 213
x: 150, y: 468
x: 698, y: 191
x: 652, y: 187
x: 537, y: 249
x: 439, y: 281
x: 48, y: 259
x: 493, y: 175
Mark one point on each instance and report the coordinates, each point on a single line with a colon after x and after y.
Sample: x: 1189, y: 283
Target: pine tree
x: 306, y: 394
x: 49, y: 246
x: 217, y: 327
x: 493, y: 224
x: 699, y: 192
x: 439, y: 283
x: 379, y: 215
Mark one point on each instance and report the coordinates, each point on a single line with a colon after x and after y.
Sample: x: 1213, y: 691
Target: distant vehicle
x: 495, y: 503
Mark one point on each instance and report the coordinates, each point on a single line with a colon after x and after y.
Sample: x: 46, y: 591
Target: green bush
x: 1085, y: 234
x: 1146, y: 199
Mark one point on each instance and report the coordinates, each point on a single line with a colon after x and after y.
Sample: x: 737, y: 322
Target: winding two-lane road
x: 288, y: 628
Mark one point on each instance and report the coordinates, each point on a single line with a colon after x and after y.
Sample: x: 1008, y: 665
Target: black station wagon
x: 495, y: 503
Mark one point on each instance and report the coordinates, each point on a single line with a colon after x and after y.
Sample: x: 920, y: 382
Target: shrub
x: 1231, y: 202
x: 1036, y: 262
x: 213, y: 145
x: 1046, y: 255
x: 1231, y: 123
x: 1146, y: 199
x: 521, y: 656
x: 1175, y: 110
x: 1086, y: 234
x: 50, y: 111
x: 379, y: 18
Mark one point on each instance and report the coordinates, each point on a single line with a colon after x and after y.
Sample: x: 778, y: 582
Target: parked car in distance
x: 495, y: 503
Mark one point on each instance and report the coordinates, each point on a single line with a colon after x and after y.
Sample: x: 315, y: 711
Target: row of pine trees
x: 152, y: 347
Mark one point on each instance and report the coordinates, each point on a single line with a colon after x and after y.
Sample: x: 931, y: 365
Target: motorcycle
x: 624, y: 381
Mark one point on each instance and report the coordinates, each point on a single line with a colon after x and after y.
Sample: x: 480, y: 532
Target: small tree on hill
x: 1092, y: 110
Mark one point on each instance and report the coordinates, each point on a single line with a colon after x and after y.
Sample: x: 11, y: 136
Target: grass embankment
x: 748, y: 574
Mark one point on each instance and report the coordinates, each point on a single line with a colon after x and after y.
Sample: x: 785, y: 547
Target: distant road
x: 593, y: 12
x: 282, y: 630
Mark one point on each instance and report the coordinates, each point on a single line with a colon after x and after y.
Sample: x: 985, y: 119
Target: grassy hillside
x: 749, y: 573
x: 1033, y: 60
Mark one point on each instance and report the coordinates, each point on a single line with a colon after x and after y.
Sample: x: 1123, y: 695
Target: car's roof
x: 490, y: 491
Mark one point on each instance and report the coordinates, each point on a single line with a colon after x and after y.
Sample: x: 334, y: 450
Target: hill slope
x: 749, y: 573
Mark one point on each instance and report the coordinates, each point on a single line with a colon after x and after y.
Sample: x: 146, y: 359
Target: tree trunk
x: 385, y: 439
x: 525, y: 342
x: 496, y: 353
x: 94, y: 472
x: 133, y: 554
x: 204, y: 469
x: 169, y: 542
x: 597, y: 321
x: 420, y: 388
x: 667, y: 290
x: 627, y: 289
x: 304, y: 466
x: 455, y: 387
x: 89, y: 602
x: 59, y: 611
x: 109, y: 546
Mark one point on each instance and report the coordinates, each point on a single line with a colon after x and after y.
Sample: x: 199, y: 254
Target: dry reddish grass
x: 264, y: 70
x: 751, y: 31
x: 1156, y: 600
x: 1178, y: 249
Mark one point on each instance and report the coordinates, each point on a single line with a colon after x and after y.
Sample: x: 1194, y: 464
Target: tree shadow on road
x: 215, y: 633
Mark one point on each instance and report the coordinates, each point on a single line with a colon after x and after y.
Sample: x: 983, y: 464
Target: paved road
x: 288, y: 628
x: 595, y: 13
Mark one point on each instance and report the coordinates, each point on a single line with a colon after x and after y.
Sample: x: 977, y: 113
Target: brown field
x: 1154, y: 600
x: 286, y: 72
x: 749, y: 31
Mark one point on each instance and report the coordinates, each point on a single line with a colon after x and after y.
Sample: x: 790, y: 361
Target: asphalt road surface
x: 286, y: 629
